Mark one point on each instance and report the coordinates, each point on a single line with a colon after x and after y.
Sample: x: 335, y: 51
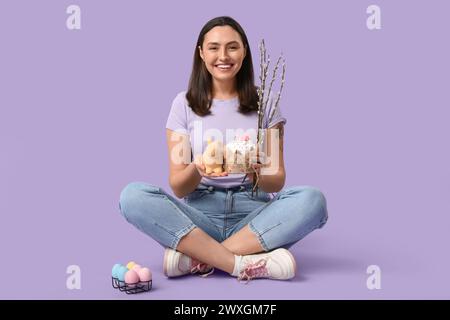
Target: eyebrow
x: 216, y: 43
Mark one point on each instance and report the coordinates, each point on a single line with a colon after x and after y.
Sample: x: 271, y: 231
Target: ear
x: 201, y: 52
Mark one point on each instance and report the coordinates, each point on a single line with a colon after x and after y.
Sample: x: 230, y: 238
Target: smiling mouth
x: 224, y: 66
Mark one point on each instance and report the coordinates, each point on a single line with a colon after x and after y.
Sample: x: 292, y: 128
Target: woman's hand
x: 202, y: 169
x: 257, y: 163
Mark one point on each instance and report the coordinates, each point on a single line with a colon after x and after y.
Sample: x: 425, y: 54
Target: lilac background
x: 83, y: 114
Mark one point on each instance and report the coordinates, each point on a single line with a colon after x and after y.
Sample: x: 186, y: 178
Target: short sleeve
x: 177, y: 119
x: 277, y: 116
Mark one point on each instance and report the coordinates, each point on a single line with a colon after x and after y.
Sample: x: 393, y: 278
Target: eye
x: 212, y: 48
x: 233, y: 48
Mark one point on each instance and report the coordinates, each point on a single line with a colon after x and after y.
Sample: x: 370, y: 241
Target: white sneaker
x: 278, y: 264
x: 178, y: 264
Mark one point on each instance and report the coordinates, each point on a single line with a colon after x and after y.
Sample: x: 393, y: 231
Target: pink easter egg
x: 136, y: 267
x: 145, y: 274
x: 131, y: 277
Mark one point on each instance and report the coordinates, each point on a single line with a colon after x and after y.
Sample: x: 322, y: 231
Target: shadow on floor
x: 313, y: 263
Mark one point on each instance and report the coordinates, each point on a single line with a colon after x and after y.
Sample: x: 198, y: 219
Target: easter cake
x: 239, y: 155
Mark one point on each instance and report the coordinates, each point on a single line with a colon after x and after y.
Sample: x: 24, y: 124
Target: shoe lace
x: 201, y: 268
x: 254, y: 270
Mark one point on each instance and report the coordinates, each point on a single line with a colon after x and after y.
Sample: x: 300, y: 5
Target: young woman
x: 220, y: 223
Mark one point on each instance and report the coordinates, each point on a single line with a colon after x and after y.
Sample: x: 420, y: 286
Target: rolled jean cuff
x: 180, y: 234
x: 258, y: 236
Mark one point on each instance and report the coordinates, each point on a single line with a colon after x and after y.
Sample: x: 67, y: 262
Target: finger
x: 262, y: 157
x: 218, y: 174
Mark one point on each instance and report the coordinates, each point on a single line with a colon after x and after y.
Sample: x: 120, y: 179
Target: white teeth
x: 224, y: 66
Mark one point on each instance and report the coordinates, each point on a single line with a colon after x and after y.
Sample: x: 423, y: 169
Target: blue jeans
x: 277, y: 221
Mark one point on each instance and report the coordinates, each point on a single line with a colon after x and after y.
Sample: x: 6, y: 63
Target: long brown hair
x: 200, y: 83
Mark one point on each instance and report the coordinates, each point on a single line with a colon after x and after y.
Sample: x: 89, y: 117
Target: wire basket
x: 131, y: 288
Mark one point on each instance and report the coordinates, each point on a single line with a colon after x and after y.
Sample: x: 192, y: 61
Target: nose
x: 223, y: 54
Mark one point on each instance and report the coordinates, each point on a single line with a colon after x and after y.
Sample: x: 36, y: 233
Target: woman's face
x: 223, y: 52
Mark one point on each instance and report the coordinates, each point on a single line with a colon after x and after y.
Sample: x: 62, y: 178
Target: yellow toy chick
x: 213, y: 157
